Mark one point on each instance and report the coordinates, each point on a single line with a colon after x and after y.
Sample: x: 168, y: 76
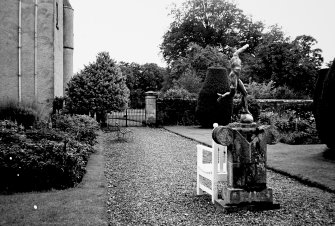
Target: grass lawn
x: 82, y: 205
x: 313, y: 164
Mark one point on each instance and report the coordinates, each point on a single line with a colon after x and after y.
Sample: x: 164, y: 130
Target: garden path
x: 152, y: 180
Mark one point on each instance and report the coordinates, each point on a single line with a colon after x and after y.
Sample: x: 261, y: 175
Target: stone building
x: 36, y: 49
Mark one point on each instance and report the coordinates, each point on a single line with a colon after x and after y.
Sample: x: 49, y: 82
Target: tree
x: 99, y: 88
x: 140, y: 79
x: 288, y: 63
x: 209, y: 22
x: 189, y: 72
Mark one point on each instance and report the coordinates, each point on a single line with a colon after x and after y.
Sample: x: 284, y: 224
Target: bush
x: 81, y: 127
x: 208, y: 110
x: 270, y: 91
x: 290, y: 128
x: 261, y: 90
x: 23, y: 113
x: 324, y: 104
x: 176, y: 111
x: 42, y: 158
x: 28, y: 166
x: 178, y: 93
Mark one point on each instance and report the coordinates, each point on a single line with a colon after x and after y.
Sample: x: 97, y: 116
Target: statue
x: 236, y: 84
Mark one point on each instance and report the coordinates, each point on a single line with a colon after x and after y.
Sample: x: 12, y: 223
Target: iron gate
x: 128, y: 117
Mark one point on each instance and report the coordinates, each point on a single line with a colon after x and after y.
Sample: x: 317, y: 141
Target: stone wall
x: 9, y: 49
x: 49, y: 80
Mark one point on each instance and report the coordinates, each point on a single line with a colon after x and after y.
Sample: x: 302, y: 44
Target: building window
x: 57, y: 16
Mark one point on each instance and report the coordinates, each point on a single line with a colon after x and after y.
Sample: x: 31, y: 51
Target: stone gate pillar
x: 150, y: 107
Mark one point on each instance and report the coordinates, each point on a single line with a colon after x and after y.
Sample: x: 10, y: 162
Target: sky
x: 132, y: 30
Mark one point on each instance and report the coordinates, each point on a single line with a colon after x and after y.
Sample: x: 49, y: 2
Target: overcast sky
x: 132, y: 30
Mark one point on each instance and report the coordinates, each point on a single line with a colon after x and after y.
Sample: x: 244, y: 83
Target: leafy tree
x: 140, y: 79
x: 99, y: 88
x: 288, y: 63
x: 189, y: 72
x: 209, y: 22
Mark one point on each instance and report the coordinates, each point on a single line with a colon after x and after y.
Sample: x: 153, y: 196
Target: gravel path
x: 152, y: 181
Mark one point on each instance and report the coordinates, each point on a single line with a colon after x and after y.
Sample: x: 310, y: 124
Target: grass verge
x: 82, y: 205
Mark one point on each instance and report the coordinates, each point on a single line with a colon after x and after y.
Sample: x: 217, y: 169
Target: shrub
x: 25, y: 114
x: 290, y: 128
x: 176, y: 111
x: 81, y: 127
x: 208, y: 110
x: 43, y: 165
x: 178, y: 93
x: 261, y: 90
x: 39, y: 159
x: 324, y: 104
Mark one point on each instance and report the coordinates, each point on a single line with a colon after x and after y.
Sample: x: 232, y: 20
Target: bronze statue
x: 235, y: 81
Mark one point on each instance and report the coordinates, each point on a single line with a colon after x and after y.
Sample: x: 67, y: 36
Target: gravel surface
x: 152, y: 181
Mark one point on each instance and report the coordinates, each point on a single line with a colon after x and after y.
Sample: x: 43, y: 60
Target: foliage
x: 26, y: 114
x: 190, y: 81
x: 215, y: 23
x: 261, y: 90
x: 292, y: 64
x: 81, y: 127
x: 58, y: 105
x: 198, y: 59
x: 209, y: 110
x: 140, y: 79
x: 176, y: 111
x: 324, y: 105
x: 39, y: 159
x: 98, y: 88
x: 290, y: 127
x: 219, y: 25
x: 177, y: 93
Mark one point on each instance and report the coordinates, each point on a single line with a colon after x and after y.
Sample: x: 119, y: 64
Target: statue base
x: 246, y: 167
x: 260, y: 206
x: 235, y: 196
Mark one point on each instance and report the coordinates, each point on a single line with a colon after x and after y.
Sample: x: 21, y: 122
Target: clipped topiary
x: 324, y: 103
x: 208, y: 110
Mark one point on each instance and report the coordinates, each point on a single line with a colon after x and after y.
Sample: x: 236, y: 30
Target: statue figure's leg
x: 244, y: 93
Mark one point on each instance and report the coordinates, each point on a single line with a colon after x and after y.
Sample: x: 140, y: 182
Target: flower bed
x: 42, y: 158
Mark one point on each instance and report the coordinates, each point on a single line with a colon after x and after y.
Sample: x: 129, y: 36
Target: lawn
x: 82, y: 205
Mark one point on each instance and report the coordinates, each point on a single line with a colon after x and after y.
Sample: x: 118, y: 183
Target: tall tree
x: 208, y: 22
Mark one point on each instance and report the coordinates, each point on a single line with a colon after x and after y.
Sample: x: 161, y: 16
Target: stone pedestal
x: 246, y: 165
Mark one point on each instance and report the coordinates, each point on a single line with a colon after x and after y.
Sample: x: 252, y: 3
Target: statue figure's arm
x: 240, y: 50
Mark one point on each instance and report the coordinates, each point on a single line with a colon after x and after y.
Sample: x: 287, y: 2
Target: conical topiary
x: 324, y: 103
x: 209, y: 110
